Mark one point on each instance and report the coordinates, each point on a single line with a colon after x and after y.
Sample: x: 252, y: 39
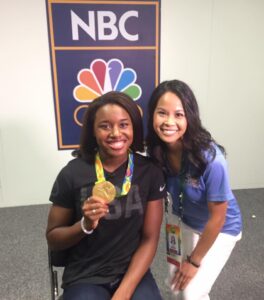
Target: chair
x: 57, y: 259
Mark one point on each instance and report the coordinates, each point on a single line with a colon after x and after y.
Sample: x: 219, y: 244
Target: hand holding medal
x: 93, y: 209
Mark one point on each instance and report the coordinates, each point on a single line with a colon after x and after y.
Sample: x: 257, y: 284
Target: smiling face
x: 113, y: 130
x: 169, y: 120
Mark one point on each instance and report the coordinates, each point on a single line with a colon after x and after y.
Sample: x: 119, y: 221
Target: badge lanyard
x: 173, y: 230
x: 128, y: 176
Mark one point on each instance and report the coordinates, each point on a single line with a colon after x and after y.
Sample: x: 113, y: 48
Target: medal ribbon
x: 128, y: 176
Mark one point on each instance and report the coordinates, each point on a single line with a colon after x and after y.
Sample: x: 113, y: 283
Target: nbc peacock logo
x: 103, y: 77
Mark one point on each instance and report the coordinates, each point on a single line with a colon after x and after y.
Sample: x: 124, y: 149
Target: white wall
x: 215, y: 46
x: 218, y: 48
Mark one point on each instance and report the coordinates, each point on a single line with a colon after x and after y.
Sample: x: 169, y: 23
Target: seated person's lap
x: 147, y: 289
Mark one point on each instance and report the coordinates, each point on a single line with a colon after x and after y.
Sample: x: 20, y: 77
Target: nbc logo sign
x: 101, y: 78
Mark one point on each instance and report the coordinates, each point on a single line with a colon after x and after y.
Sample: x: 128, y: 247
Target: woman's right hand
x: 93, y: 209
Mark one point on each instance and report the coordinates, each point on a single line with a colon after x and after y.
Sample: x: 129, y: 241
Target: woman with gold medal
x: 107, y: 207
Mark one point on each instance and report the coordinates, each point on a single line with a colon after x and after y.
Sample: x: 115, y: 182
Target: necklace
x: 128, y: 176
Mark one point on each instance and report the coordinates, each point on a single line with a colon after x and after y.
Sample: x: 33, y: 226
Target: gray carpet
x: 24, y: 263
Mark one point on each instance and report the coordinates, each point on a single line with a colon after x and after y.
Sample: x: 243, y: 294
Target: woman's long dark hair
x: 88, y: 144
x: 196, y: 138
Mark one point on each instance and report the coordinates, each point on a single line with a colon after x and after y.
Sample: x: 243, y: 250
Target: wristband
x: 84, y: 229
x: 192, y: 262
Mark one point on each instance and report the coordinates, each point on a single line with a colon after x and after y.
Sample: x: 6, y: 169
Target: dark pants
x: 146, y: 289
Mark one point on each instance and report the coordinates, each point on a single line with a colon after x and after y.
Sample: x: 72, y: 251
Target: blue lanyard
x: 181, y: 186
x: 168, y: 199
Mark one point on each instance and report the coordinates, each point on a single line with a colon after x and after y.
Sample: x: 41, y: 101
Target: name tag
x: 173, y: 242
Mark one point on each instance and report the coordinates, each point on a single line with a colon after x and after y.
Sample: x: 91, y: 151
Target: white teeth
x: 117, y: 145
x: 169, y: 132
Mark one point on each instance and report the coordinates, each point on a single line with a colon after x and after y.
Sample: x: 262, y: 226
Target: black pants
x: 146, y: 289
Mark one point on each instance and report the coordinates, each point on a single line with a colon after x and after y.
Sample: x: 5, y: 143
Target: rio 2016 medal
x: 105, y: 190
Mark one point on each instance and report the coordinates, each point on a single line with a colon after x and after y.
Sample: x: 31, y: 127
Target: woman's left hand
x: 183, y: 276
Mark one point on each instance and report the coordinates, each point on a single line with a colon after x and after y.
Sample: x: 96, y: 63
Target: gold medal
x: 105, y: 190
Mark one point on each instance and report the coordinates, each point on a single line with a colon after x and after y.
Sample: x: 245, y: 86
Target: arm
x: 144, y: 255
x: 62, y: 234
x: 217, y: 211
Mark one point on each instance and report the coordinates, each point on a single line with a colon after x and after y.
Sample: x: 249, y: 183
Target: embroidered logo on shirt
x: 162, y: 188
x: 194, y: 182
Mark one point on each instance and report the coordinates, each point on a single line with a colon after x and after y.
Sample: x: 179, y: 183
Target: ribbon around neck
x: 128, y: 176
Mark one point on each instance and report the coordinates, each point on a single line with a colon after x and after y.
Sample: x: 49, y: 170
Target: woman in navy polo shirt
x: 207, y: 218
